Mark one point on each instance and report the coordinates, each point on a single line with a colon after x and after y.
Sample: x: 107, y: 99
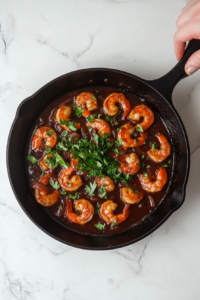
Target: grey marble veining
x: 40, y: 40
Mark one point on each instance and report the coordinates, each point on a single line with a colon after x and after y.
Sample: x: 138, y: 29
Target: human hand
x: 188, y: 28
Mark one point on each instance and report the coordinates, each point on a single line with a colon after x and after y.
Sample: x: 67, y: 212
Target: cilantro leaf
x: 113, y: 223
x: 91, y: 188
x: 75, y: 196
x: 120, y: 110
x: 119, y: 143
x: 32, y: 159
x: 55, y: 184
x: 96, y: 210
x: 154, y: 146
x: 91, y: 118
x: 61, y: 161
x: 100, y: 226
x: 71, y: 125
x: 49, y: 132
x: 148, y: 166
x: 108, y: 119
x: 61, y: 146
x: 139, y: 128
x: 60, y: 207
x: 169, y: 162
x: 93, y: 97
x: 118, y: 129
x: 90, y: 128
x: 42, y: 175
x: 117, y: 152
x: 78, y: 111
x: 102, y: 193
x: 164, y: 166
x: 63, y: 193
x: 146, y: 175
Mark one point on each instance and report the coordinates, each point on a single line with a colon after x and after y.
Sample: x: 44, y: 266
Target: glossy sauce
x: 138, y: 212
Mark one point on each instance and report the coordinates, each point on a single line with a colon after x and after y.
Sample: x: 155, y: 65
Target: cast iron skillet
x: 157, y: 93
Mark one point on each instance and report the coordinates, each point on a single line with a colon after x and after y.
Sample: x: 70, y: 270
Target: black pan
x: 157, y: 93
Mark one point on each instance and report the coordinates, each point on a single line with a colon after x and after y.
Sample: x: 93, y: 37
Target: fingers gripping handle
x: 166, y: 84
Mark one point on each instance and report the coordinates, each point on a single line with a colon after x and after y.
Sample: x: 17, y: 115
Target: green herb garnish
x: 91, y: 188
x: 100, y: 226
x: 102, y: 193
x: 55, y: 184
x: 164, y: 166
x: 42, y: 175
x: 78, y: 111
x: 113, y: 223
x: 32, y: 159
x: 119, y: 143
x: 148, y: 166
x: 154, y: 146
x: 146, y: 175
x: 139, y: 128
x: 108, y: 119
x: 63, y: 193
x: 49, y: 132
x: 60, y: 207
x: 169, y: 162
x: 75, y: 196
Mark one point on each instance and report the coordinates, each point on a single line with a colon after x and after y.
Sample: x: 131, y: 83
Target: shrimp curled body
x: 63, y: 113
x: 41, y: 134
x: 67, y: 183
x: 101, y: 125
x: 86, y: 208
x: 130, y: 196
x: 107, y: 209
x: 131, y: 165
x: 161, y: 154
x: 88, y: 102
x: 111, y: 109
x: 42, y: 192
x: 105, y: 182
x: 125, y: 133
x: 154, y: 186
x: 145, y: 112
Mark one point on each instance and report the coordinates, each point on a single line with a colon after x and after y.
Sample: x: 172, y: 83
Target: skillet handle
x: 165, y: 85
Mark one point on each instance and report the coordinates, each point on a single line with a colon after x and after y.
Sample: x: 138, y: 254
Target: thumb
x: 193, y: 63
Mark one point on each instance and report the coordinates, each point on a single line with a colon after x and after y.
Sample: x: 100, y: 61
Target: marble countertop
x: 41, y: 40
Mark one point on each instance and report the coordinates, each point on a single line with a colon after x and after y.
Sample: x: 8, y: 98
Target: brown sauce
x: 139, y: 211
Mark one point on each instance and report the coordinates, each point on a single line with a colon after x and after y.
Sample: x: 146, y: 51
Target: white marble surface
x: 40, y: 40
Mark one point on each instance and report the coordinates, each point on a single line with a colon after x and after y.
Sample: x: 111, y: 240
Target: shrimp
x: 42, y: 192
x: 101, y: 125
x: 43, y: 163
x: 86, y: 208
x: 154, y: 186
x: 70, y: 184
x: 63, y: 113
x: 107, y: 209
x: 87, y: 100
x: 125, y: 133
x: 131, y: 196
x: 161, y: 154
x: 111, y: 109
x: 131, y: 165
x: 43, y: 133
x: 105, y: 182
x: 145, y: 112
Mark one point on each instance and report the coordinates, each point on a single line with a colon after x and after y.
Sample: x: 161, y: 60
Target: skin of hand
x: 188, y: 28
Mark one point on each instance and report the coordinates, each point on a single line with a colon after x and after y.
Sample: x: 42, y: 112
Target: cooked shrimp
x: 67, y: 183
x: 125, y: 133
x: 105, y: 182
x: 86, y: 208
x: 131, y: 165
x: 87, y: 100
x: 101, y: 125
x: 159, y: 155
x: 40, y: 134
x: 43, y: 163
x: 42, y: 192
x: 63, y: 113
x: 142, y: 111
x: 131, y: 196
x: 107, y: 209
x: 154, y: 186
x: 111, y: 109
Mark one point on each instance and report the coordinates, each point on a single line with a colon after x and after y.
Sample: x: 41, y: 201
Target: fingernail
x: 191, y: 70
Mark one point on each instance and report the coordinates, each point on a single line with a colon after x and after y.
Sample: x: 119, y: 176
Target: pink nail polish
x: 191, y: 70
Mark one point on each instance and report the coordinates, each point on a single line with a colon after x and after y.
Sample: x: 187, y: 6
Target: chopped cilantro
x: 164, y: 166
x: 96, y: 210
x: 90, y: 128
x: 42, y: 175
x: 60, y: 207
x: 120, y: 110
x: 69, y: 184
x: 139, y: 128
x: 63, y: 193
x: 55, y: 184
x: 113, y: 223
x: 137, y: 140
x: 49, y: 132
x: 100, y: 226
x: 119, y: 143
x: 75, y: 196
x: 32, y: 159
x: 102, y: 193
x: 136, y: 191
x: 169, y: 162
x: 148, y: 166
x: 91, y: 119
x: 97, y: 91
x: 71, y: 125
x: 64, y: 133
x: 99, y: 116
x: 146, y: 175
x: 78, y: 110
x: 60, y: 160
x: 142, y: 157
x: 93, y: 97
x: 61, y: 146
x: 116, y: 151
x: 118, y: 129
x: 91, y: 188
x: 108, y: 119
x: 154, y: 146
x: 145, y: 142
